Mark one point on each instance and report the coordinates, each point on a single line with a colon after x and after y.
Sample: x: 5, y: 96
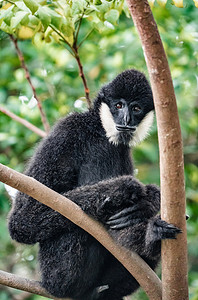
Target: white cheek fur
x: 113, y: 134
x: 108, y: 123
x: 143, y: 128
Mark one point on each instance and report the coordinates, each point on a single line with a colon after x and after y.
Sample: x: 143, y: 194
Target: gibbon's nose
x: 127, y: 118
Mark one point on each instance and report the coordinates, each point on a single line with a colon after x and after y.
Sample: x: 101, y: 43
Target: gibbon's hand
x: 127, y: 217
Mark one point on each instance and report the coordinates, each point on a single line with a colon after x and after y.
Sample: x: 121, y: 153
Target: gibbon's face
x: 127, y: 122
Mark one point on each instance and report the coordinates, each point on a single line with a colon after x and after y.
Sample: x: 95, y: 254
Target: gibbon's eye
x: 119, y: 105
x: 136, y: 108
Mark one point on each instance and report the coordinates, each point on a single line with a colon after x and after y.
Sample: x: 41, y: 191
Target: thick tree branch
x: 132, y: 262
x: 23, y: 284
x: 23, y: 122
x: 174, y: 252
x: 27, y: 75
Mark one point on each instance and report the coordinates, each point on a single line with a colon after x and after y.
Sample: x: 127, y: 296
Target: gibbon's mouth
x: 124, y: 128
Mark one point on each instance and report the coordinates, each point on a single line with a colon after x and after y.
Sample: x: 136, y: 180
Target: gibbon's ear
x: 102, y: 95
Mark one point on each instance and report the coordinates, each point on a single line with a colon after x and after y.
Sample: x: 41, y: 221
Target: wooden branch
x: 27, y: 75
x: 132, y: 262
x: 82, y: 75
x: 23, y: 122
x: 74, y: 52
x: 24, y: 284
x: 75, y: 49
x: 174, y: 252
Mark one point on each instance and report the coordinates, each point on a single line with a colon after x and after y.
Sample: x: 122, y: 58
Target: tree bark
x: 174, y: 252
x: 23, y: 122
x: 132, y: 262
x: 24, y: 284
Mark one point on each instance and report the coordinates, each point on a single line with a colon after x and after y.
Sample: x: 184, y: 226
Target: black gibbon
x: 86, y: 157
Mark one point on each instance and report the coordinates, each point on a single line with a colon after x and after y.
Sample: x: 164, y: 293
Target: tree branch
x: 75, y: 54
x: 132, y: 262
x: 24, y: 284
x: 23, y: 122
x: 27, y: 75
x: 174, y: 252
x: 21, y: 283
x: 82, y: 75
x: 86, y: 36
x: 63, y: 38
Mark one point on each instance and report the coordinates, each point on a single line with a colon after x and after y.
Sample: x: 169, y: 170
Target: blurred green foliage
x: 54, y: 72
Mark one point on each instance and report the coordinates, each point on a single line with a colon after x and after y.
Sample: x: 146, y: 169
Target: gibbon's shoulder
x: 78, y: 124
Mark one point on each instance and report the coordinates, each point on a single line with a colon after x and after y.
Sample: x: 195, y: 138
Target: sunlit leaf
x: 4, y: 13
x: 19, y: 16
x: 22, y: 6
x: 178, y: 3
x: 32, y: 103
x: 6, y: 28
x: 23, y: 99
x: 25, y: 32
x: 109, y: 25
x: 162, y: 2
x: 56, y: 19
x: 104, y: 7
x: 196, y: 3
x: 97, y: 2
x: 44, y: 16
x: 8, y: 19
x: 33, y: 20
x: 77, y: 6
x: 151, y: 2
x: 112, y: 16
x: 32, y: 5
x: 126, y: 9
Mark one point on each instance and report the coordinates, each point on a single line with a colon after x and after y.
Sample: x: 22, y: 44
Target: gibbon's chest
x: 103, y: 160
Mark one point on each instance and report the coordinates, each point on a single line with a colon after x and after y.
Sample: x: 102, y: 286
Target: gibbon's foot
x: 159, y: 229
x: 125, y: 218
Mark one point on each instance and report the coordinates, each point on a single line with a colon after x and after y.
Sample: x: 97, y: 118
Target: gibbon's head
x: 126, y: 108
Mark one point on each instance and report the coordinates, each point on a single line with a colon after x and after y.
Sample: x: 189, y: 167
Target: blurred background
x: 54, y: 73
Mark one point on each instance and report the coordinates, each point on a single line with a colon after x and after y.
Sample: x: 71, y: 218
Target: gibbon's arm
x: 55, y: 165
x: 31, y: 221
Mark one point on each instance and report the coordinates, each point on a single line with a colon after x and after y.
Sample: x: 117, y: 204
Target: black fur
x: 78, y: 160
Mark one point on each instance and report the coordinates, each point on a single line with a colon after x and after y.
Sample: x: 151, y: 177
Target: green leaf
x: 104, y: 7
x: 4, y: 27
x: 32, y: 5
x: 4, y: 13
x: 109, y: 25
x: 68, y: 31
x: 43, y: 14
x: 49, y: 16
x: 97, y: 2
x: 21, y: 5
x: 56, y: 19
x: 18, y: 18
x: 33, y: 20
x: 8, y: 19
x: 112, y: 16
x: 126, y: 10
x: 77, y: 7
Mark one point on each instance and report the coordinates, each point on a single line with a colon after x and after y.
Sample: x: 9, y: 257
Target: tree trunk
x: 174, y: 252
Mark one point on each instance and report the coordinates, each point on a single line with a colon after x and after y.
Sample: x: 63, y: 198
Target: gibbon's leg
x: 143, y: 238
x: 71, y: 264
